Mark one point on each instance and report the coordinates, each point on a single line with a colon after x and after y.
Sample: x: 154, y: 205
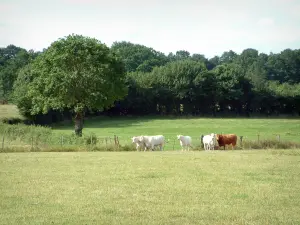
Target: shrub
x: 91, y: 139
x: 113, y: 148
x: 269, y: 144
x: 12, y: 120
x: 3, y: 102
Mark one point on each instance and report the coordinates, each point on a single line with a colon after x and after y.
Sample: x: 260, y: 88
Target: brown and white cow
x: 226, y: 139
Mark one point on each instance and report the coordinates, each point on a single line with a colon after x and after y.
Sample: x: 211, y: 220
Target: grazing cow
x: 136, y: 140
x: 226, y: 139
x: 209, y: 141
x: 185, y: 141
x: 152, y: 141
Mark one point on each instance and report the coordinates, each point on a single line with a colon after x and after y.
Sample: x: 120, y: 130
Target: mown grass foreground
x: 232, y: 187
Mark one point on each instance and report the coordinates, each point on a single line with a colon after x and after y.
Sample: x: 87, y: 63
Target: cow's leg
x: 233, y: 145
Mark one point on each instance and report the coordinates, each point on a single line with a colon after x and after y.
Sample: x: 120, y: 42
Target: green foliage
x: 21, y: 88
x: 82, y: 75
x: 76, y: 73
x: 12, y: 59
x: 91, y: 139
x: 138, y: 57
x: 270, y: 144
x: 285, y: 66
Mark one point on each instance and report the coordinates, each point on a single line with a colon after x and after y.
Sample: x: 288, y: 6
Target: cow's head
x: 135, y: 139
x: 141, y: 138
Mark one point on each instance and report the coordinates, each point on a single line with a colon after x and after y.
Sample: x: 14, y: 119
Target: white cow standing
x: 209, y: 141
x: 152, y: 141
x: 185, y: 141
x: 138, y: 143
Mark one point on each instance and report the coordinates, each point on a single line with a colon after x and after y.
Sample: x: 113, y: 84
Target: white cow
x: 152, y: 141
x: 185, y: 141
x: 209, y: 141
x: 136, y: 140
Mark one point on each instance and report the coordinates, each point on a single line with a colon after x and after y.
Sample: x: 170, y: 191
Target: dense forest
x: 250, y: 83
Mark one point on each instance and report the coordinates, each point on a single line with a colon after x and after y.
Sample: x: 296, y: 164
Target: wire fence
x: 115, y: 143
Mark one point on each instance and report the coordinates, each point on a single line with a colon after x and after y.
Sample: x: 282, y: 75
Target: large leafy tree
x: 77, y: 73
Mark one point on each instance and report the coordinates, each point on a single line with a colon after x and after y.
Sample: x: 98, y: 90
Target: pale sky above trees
x: 198, y: 26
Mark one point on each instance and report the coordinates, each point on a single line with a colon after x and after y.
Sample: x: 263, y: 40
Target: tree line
x: 154, y: 83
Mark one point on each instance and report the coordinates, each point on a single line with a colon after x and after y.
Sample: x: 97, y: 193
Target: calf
x: 226, y: 139
x: 185, y: 141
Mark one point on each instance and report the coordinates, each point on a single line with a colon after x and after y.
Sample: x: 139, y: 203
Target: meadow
x: 168, y: 187
x: 217, y: 187
x: 126, y: 127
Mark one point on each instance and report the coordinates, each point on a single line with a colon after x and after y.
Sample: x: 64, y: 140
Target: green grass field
x: 125, y: 128
x: 232, y: 187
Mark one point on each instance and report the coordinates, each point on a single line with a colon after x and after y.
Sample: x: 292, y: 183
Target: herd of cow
x: 210, y: 142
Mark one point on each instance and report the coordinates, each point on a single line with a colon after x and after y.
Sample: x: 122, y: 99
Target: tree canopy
x: 82, y: 75
x: 76, y: 73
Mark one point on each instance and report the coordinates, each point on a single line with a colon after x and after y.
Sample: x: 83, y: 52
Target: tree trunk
x: 78, y: 123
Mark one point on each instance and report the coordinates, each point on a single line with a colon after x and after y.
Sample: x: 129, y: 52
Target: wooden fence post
x: 62, y: 140
x: 278, y: 137
x: 115, y: 140
x: 241, y: 140
x: 3, y: 142
x: 258, y: 137
x: 32, y: 142
x: 36, y: 141
x: 106, y: 143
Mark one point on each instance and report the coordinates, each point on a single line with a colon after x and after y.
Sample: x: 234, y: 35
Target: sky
x: 208, y: 27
